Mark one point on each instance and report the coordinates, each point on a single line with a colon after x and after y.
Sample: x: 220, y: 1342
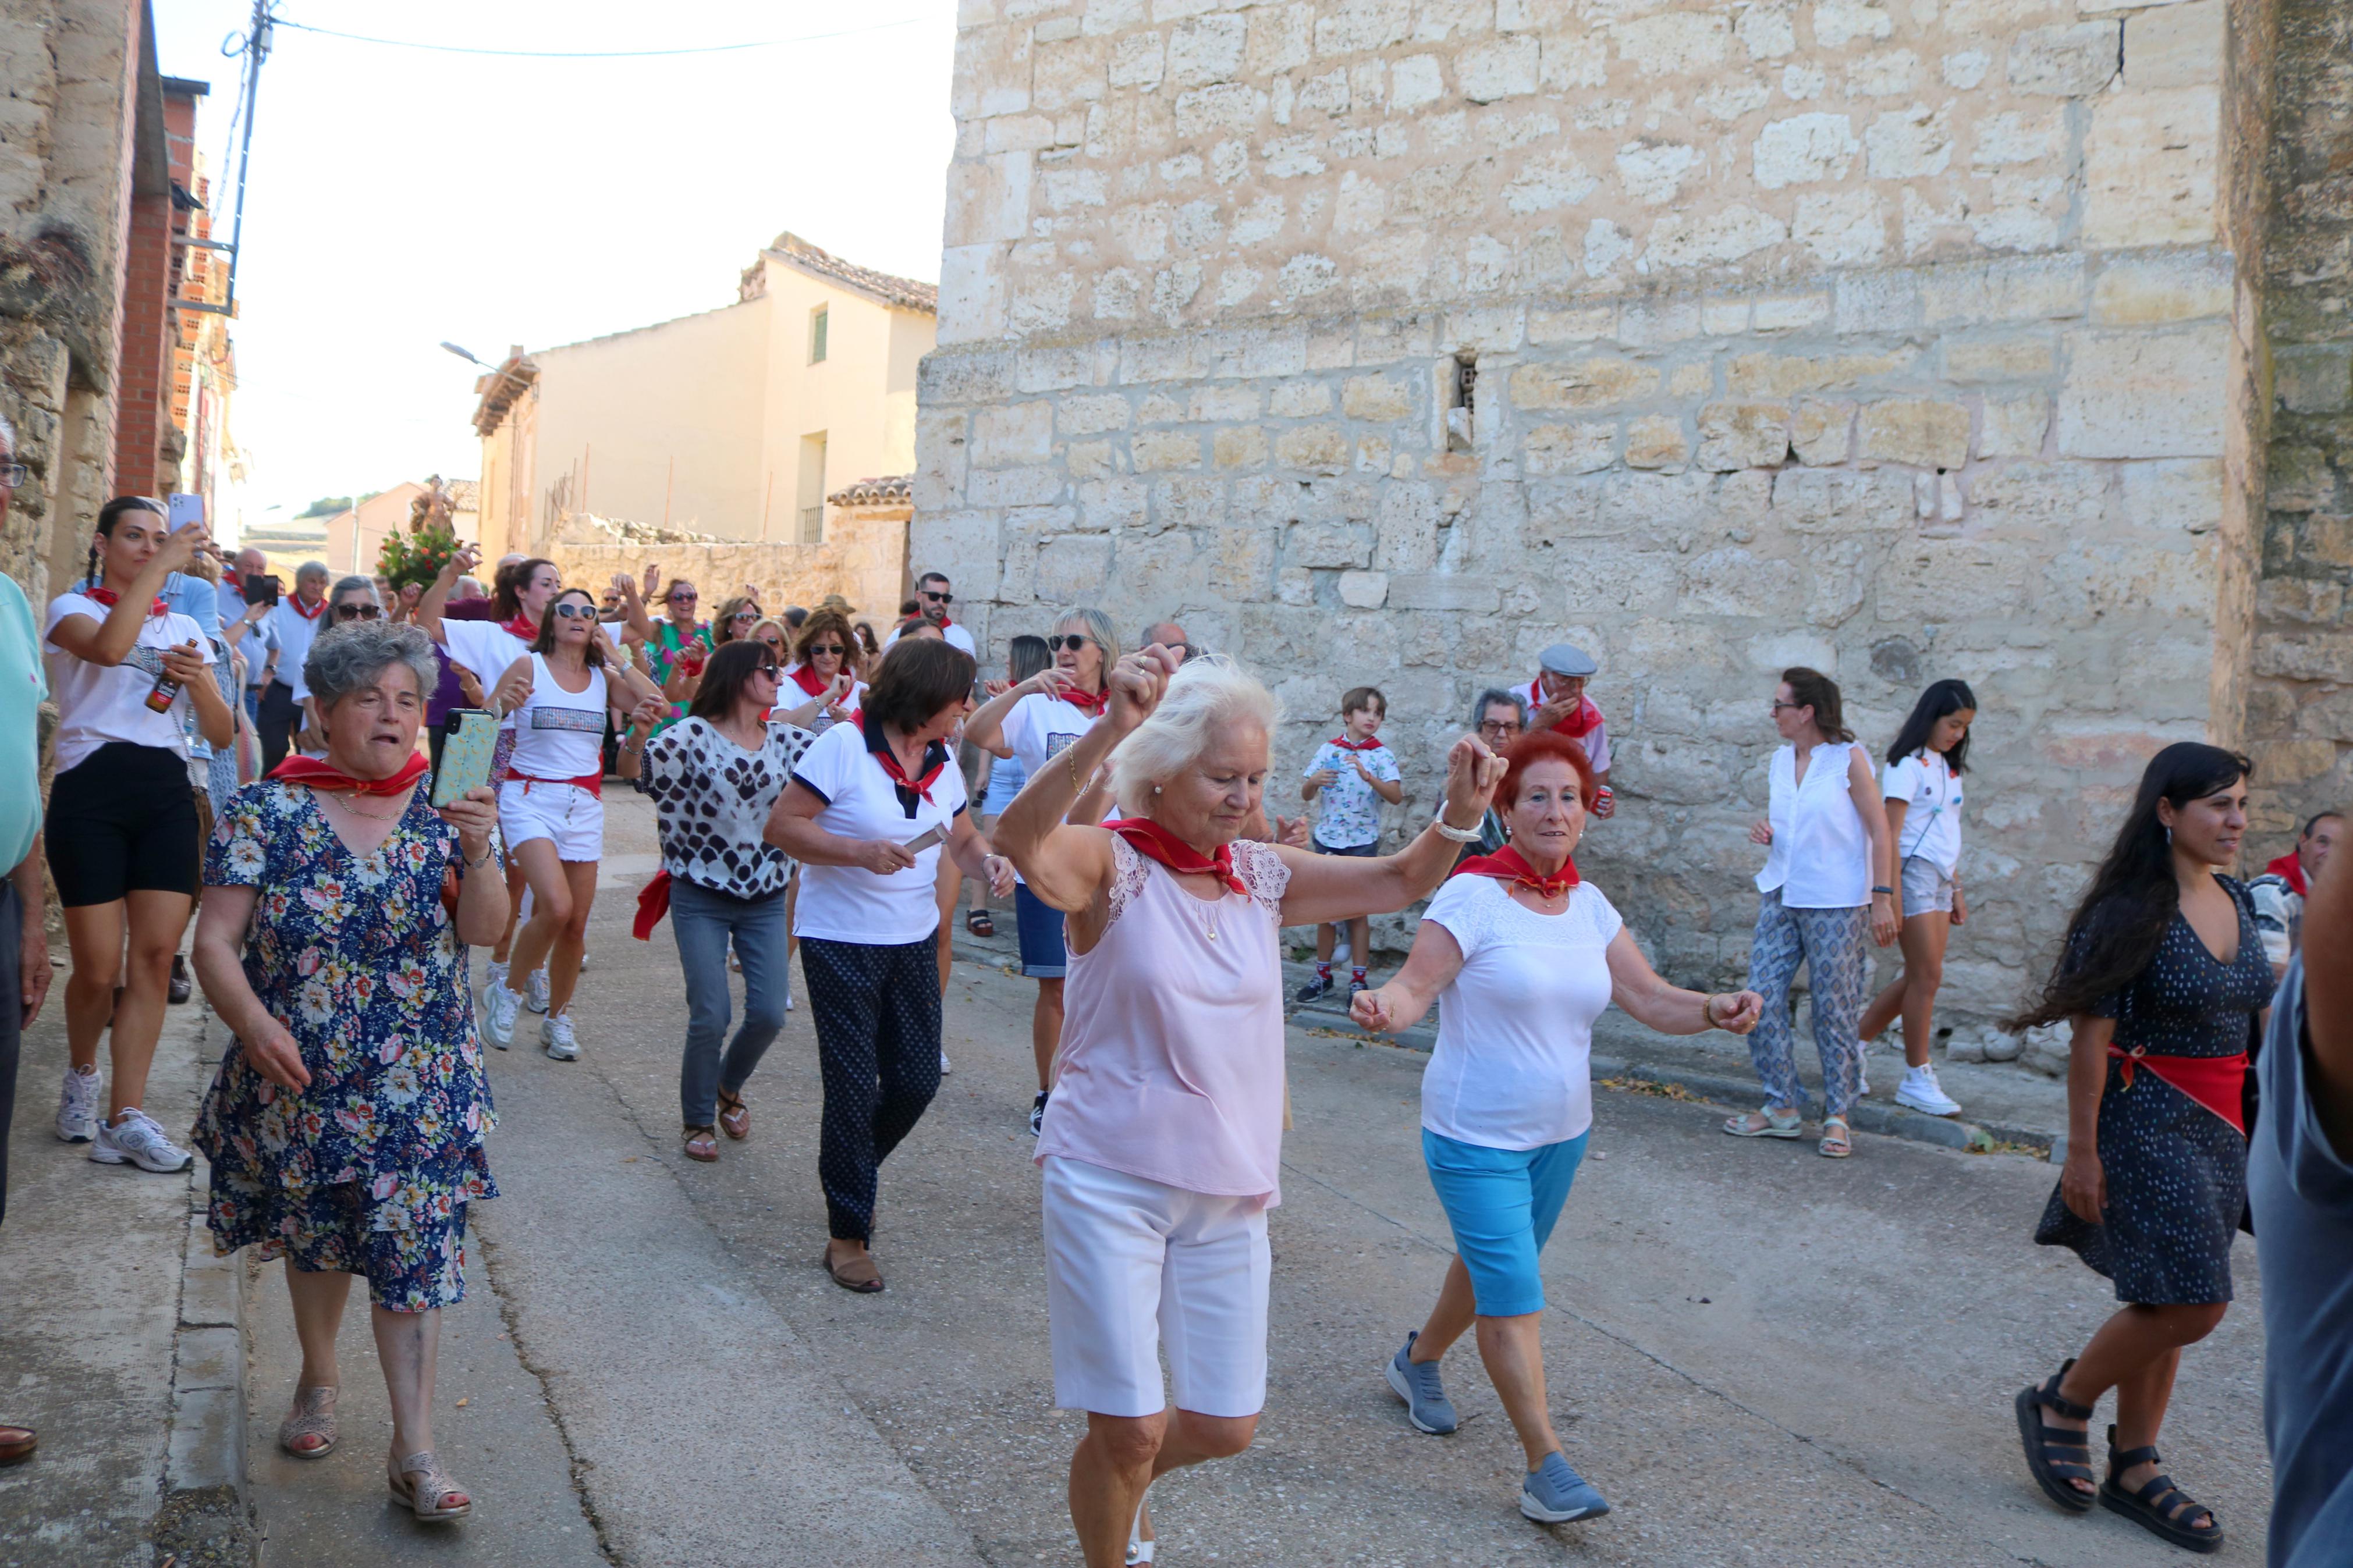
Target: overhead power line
x: 599, y: 53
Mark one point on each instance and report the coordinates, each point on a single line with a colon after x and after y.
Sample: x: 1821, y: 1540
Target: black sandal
x: 2049, y: 1448
x: 977, y: 922
x: 2162, y: 1509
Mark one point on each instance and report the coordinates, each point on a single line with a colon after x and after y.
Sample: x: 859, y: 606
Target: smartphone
x: 184, y: 509
x: 260, y: 589
x: 924, y: 840
x: 465, y: 753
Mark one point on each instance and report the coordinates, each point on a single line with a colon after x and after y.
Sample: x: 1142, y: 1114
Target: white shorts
x: 572, y: 816
x: 1133, y: 1267
x: 1926, y: 885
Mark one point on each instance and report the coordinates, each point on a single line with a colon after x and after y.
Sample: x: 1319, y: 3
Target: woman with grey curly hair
x: 345, y: 1124
x: 1161, y: 1143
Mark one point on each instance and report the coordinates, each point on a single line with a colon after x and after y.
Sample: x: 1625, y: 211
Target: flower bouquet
x: 416, y: 557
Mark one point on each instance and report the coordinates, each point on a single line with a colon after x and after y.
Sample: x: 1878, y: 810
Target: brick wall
x: 1902, y: 340
x: 150, y: 335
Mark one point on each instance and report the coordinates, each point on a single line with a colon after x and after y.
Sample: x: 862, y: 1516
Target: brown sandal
x: 701, y: 1144
x: 314, y: 1415
x: 734, y: 1116
x: 856, y: 1272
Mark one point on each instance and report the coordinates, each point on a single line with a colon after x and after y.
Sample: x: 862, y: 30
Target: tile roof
x: 898, y: 489
x: 907, y: 293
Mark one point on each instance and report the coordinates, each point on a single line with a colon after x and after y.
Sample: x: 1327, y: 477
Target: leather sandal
x: 701, y: 1143
x: 978, y: 922
x: 1837, y: 1141
x: 2056, y: 1455
x: 17, y: 1444
x: 428, y: 1496
x: 2160, y: 1508
x: 314, y: 1415
x: 856, y: 1272
x: 734, y: 1116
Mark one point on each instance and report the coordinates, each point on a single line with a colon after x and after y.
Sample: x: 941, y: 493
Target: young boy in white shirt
x: 1352, y: 773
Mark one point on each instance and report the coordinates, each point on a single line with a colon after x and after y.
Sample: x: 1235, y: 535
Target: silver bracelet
x: 1455, y: 834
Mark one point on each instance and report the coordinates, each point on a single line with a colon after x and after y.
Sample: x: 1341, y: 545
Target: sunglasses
x: 742, y: 615
x: 767, y: 669
x: 1074, y: 641
x: 821, y: 649
x: 356, y: 612
x: 773, y: 645
x: 939, y: 598
x: 571, y: 611
x: 684, y: 598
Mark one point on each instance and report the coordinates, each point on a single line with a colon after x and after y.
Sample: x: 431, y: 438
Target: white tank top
x: 559, y: 734
x: 1820, y: 857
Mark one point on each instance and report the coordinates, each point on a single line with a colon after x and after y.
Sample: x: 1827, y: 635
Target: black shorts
x: 1360, y: 851
x: 122, y: 820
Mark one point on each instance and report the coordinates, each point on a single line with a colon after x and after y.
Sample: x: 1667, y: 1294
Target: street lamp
x: 467, y: 355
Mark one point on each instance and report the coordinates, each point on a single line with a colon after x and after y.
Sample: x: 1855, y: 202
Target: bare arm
x: 1429, y: 968
x: 2328, y: 998
x: 1341, y: 887
x: 32, y: 907
x: 792, y: 827
x: 481, y: 889
x: 969, y: 848
x: 1864, y: 789
x: 187, y: 667
x: 1896, y: 811
x: 461, y: 561
x: 2080, y: 1180
x: 1389, y: 789
x: 986, y: 727
x: 221, y: 922
x: 1651, y: 1001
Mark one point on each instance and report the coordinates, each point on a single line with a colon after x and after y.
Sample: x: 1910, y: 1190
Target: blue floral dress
x: 370, y: 1169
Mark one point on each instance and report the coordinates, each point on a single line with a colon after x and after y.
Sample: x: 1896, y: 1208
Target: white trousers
x: 1133, y: 1266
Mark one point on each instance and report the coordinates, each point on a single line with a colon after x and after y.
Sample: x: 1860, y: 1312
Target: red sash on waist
x: 593, y: 783
x: 653, y: 903
x: 2214, y: 1082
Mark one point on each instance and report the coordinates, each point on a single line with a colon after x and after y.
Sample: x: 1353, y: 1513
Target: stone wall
x: 2300, y: 707
x: 1906, y: 340
x: 863, y: 559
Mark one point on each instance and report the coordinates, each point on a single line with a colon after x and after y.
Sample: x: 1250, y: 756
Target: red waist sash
x: 593, y: 783
x: 2214, y: 1082
x: 653, y: 903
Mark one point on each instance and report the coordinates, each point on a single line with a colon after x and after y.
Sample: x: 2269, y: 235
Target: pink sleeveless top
x: 1172, y: 1040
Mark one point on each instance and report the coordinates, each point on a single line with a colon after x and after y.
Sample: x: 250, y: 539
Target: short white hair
x: 1207, y: 695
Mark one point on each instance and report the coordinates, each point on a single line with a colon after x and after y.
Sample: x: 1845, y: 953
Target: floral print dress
x: 369, y: 1170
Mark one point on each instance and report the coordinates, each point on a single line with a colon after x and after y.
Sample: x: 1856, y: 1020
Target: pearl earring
x: 1156, y: 789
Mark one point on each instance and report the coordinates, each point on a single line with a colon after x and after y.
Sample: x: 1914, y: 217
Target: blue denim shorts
x: 1039, y: 924
x: 1502, y: 1204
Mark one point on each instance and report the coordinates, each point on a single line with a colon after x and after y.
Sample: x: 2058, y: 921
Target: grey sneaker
x: 1555, y: 1494
x: 500, y: 1007
x: 1419, y: 1384
x: 537, y: 1000
x: 137, y: 1141
x: 77, y: 1107
x: 556, y: 1033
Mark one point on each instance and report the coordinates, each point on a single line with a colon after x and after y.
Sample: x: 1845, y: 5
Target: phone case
x: 473, y: 736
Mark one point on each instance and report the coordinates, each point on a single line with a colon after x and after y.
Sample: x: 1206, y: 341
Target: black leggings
x: 876, y: 1011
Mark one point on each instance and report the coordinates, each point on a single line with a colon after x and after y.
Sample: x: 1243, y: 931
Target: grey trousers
x: 703, y: 922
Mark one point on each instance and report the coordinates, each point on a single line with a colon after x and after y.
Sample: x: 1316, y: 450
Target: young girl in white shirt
x: 1923, y: 791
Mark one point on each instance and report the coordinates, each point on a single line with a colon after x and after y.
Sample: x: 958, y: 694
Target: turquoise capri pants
x: 1502, y: 1204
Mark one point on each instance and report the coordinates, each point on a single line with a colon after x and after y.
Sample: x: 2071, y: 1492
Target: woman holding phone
x: 820, y: 686
x: 871, y: 808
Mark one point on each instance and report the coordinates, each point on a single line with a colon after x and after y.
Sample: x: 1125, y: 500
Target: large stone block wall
x: 1904, y: 340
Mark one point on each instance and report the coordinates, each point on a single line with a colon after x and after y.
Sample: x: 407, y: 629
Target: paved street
x: 1758, y: 1354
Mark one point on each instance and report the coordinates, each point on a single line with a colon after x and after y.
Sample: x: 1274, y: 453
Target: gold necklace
x: 375, y: 816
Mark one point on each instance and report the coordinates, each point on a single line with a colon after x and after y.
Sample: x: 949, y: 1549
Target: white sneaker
x: 498, y: 976
x: 583, y: 961
x: 77, y: 1107
x: 500, y: 1007
x: 537, y: 1002
x: 556, y: 1033
x: 1922, y: 1092
x: 137, y: 1141
x: 945, y: 1068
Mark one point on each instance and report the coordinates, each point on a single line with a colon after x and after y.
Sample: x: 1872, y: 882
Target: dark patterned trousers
x: 877, y: 1011
x: 1835, y: 947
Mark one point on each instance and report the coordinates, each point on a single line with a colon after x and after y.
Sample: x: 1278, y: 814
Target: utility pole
x: 257, y: 49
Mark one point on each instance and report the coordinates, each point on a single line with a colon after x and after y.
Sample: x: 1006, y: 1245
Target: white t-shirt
x: 97, y: 704
x: 790, y: 695
x: 956, y: 636
x: 294, y: 631
x: 1041, y: 727
x: 849, y: 904
x: 487, y: 648
x: 1931, y: 794
x: 559, y: 734
x: 1512, y: 1064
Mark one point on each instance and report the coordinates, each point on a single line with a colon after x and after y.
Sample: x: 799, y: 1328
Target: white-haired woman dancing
x: 1161, y: 1144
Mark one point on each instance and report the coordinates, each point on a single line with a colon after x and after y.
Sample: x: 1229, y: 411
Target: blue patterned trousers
x: 1834, y: 946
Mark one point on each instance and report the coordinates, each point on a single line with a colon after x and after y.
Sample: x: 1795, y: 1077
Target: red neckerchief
x: 1578, y: 725
x: 1509, y: 866
x: 1346, y: 745
x: 2215, y: 1082
x: 296, y: 600
x: 2287, y: 866
x: 110, y: 598
x: 520, y: 629
x: 1091, y: 703
x: 810, y: 682
x: 320, y: 774
x: 1148, y: 839
x: 921, y: 787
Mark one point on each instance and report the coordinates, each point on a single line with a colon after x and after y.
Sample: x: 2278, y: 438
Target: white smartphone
x: 184, y: 507
x: 924, y: 840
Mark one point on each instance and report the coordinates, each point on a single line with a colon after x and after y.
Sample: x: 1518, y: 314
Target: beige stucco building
x: 1392, y: 340
x: 734, y: 425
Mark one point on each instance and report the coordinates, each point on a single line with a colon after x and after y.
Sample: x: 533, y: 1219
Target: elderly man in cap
x: 1557, y: 701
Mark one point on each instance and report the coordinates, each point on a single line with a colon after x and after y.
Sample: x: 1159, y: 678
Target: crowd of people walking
x: 295, y: 763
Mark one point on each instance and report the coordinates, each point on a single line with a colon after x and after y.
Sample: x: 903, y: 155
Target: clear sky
x: 400, y: 197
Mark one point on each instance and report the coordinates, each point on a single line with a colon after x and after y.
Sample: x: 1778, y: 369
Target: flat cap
x: 1566, y: 658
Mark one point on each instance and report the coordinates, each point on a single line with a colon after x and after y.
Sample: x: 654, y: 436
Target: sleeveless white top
x: 559, y: 734
x: 1820, y: 857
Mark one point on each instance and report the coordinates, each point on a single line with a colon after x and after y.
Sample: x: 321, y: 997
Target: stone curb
x: 1889, y: 1121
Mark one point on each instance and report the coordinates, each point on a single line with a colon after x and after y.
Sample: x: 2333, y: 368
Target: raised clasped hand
x: 1138, y: 683
x: 1472, y: 771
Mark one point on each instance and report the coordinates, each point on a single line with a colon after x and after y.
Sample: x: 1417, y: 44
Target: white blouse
x: 1820, y: 857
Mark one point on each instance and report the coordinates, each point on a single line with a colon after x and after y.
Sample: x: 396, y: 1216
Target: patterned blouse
x: 713, y: 798
x: 359, y: 959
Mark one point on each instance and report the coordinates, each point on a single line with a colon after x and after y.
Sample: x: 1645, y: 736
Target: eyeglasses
x: 1074, y: 641
x: 15, y: 476
x: 571, y: 611
x: 1778, y: 706
x: 1498, y: 726
x: 939, y: 598
x: 356, y: 612
x: 820, y: 649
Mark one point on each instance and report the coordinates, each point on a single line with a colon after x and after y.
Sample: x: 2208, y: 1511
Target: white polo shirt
x: 956, y: 636
x: 294, y: 632
x: 849, y: 904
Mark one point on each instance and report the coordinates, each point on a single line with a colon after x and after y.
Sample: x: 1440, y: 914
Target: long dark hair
x: 1943, y: 697
x: 593, y: 656
x: 723, y: 677
x: 1025, y: 655
x: 2133, y: 897
x: 511, y: 580
x: 112, y: 513
x: 1813, y: 689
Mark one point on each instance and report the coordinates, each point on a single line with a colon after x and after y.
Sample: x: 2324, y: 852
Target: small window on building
x: 817, y: 335
x: 810, y: 499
